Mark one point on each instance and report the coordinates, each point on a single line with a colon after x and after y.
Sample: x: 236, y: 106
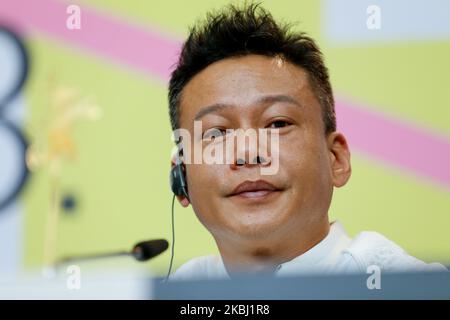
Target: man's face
x: 304, y: 178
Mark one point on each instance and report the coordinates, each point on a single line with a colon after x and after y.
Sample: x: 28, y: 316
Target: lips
x: 254, y: 189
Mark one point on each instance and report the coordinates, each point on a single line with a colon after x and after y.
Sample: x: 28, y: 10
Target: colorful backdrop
x: 391, y: 86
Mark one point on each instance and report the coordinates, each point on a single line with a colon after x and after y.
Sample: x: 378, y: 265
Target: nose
x: 249, y: 151
x: 256, y: 160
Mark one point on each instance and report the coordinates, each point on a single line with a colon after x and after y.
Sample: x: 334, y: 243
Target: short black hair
x: 234, y: 32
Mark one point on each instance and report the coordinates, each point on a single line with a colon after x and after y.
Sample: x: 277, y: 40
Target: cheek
x: 196, y: 181
x: 203, y: 185
x: 305, y: 159
x: 197, y: 190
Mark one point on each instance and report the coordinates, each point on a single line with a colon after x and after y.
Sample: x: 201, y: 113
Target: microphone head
x: 146, y: 250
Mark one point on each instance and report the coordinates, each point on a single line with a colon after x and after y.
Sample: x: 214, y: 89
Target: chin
x: 252, y: 221
x: 254, y: 228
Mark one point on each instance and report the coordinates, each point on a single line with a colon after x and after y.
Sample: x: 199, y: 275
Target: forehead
x: 242, y: 80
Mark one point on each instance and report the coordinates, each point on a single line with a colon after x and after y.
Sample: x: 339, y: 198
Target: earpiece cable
x: 173, y: 239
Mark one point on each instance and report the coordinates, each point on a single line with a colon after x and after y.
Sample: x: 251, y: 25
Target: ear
x: 181, y: 199
x: 341, y: 169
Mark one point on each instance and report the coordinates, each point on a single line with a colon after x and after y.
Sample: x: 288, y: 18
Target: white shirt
x: 337, y: 253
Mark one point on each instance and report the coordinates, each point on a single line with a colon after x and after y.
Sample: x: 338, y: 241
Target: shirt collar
x: 325, y: 252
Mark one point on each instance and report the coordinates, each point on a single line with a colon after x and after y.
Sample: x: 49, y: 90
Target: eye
x: 278, y: 124
x: 213, y: 133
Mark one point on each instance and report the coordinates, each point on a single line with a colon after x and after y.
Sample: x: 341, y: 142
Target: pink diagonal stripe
x: 139, y: 47
x: 384, y: 138
x: 397, y: 142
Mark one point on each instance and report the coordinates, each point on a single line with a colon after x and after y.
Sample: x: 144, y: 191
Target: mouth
x: 254, y: 190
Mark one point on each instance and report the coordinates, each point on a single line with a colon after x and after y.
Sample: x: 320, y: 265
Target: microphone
x: 146, y: 250
x: 142, y: 251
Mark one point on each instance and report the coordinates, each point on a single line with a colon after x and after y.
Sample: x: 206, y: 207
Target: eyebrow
x: 265, y: 100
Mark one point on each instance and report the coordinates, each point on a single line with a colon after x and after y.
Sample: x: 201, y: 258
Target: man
x: 242, y: 70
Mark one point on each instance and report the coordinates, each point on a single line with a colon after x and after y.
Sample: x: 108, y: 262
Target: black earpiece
x: 178, y: 181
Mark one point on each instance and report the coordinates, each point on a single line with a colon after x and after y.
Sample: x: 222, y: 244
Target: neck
x: 264, y: 255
